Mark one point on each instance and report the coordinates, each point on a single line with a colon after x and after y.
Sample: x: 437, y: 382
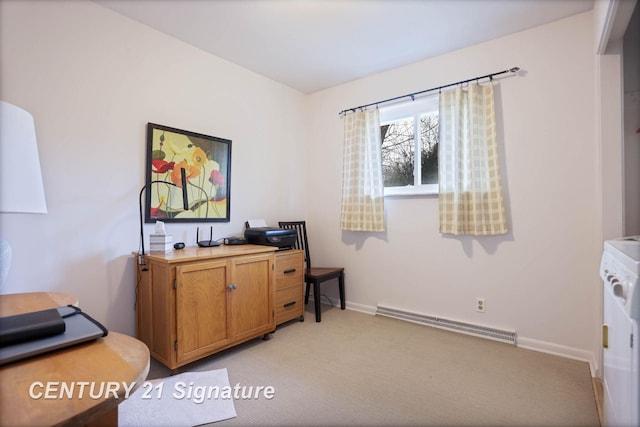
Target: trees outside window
x: 410, y: 150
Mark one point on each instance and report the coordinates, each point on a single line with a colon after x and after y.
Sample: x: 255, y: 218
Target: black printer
x: 270, y: 236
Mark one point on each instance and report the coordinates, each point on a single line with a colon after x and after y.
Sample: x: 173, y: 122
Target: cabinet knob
x: 232, y: 286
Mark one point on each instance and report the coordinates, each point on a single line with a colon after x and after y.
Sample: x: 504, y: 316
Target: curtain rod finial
x: 515, y: 69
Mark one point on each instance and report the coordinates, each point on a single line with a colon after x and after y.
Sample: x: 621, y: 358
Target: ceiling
x: 312, y: 45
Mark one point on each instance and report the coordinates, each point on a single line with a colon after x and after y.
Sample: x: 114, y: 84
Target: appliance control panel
x: 624, y: 283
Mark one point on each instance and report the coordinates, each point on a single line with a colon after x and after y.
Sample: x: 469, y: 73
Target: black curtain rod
x: 412, y: 95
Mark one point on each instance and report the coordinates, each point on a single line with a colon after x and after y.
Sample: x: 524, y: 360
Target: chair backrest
x: 301, y: 240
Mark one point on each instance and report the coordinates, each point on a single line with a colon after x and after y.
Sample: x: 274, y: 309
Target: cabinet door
x: 252, y: 298
x: 202, y: 312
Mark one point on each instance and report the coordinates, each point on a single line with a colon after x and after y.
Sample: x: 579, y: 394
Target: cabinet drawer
x: 289, y: 303
x: 289, y: 269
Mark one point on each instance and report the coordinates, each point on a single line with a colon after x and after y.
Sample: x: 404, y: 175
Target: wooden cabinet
x: 289, y: 286
x: 198, y: 301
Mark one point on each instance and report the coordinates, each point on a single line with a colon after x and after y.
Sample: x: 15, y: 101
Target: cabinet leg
x: 301, y: 318
x: 266, y: 337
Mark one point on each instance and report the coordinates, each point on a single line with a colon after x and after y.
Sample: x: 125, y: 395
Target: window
x: 409, y: 134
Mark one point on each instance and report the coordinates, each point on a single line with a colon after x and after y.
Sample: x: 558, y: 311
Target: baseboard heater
x: 509, y: 337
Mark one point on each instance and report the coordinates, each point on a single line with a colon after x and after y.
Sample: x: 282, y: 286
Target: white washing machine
x: 620, y: 272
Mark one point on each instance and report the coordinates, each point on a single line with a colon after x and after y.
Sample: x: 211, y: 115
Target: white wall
x: 92, y: 80
x: 542, y: 278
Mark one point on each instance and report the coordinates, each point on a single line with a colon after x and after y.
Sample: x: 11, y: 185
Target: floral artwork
x: 207, y: 163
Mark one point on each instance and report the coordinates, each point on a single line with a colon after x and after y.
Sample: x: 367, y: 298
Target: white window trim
x: 412, y: 190
x: 400, y: 111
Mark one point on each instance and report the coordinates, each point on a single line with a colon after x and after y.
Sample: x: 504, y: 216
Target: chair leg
x: 306, y: 294
x: 341, y: 287
x: 316, y: 300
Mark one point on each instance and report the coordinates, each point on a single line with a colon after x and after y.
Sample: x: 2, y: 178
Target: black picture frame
x: 206, y: 161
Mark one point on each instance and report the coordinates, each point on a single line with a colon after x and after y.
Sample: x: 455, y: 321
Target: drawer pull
x: 291, y: 270
x: 289, y: 304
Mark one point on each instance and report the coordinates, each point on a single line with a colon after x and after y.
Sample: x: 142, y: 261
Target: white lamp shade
x: 21, y: 188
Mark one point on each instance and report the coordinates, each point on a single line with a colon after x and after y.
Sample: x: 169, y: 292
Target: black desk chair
x: 315, y: 275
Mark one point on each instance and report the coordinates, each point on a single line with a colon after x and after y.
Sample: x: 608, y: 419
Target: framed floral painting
x: 188, y: 176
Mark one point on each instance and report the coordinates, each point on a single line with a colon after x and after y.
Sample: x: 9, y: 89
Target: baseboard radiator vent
x: 509, y: 337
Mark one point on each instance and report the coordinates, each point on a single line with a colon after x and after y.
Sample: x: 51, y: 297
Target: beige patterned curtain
x: 362, y: 184
x: 471, y: 200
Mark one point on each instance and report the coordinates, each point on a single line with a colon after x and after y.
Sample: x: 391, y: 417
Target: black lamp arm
x: 185, y: 200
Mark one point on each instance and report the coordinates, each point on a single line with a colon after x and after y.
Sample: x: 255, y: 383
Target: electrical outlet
x: 480, y: 305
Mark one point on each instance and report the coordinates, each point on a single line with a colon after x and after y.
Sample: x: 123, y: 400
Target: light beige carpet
x: 358, y: 369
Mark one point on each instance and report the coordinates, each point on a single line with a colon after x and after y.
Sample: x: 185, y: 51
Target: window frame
x: 415, y: 108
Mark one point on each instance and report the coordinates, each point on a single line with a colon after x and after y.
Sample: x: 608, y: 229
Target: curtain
x: 362, y: 184
x: 471, y: 200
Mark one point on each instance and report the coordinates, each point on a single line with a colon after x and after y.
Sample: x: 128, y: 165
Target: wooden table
x: 116, y: 358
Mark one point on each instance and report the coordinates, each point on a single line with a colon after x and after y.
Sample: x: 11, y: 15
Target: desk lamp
x: 185, y: 202
x: 21, y: 188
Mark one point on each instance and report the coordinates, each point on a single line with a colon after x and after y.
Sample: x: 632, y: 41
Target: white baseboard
x: 367, y: 309
x: 561, y: 350
x: 335, y: 302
